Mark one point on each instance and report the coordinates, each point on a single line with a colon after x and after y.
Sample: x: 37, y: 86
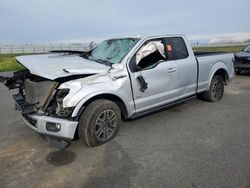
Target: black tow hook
x: 55, y: 142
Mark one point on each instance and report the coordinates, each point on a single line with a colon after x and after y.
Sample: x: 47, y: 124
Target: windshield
x: 113, y: 50
x: 247, y: 49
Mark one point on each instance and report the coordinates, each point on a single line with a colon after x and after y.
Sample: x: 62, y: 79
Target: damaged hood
x: 53, y: 66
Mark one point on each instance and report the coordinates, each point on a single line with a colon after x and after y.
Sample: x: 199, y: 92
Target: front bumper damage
x: 34, y: 99
x: 242, y: 63
x: 41, y: 123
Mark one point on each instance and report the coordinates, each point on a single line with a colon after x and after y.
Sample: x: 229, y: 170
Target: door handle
x: 171, y: 70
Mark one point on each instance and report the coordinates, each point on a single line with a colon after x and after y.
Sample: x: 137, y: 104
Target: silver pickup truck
x: 69, y: 94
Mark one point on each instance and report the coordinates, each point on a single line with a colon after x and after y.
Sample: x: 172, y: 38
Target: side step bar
x: 157, y: 109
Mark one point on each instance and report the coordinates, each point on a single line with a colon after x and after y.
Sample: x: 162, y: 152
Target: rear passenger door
x: 185, y: 65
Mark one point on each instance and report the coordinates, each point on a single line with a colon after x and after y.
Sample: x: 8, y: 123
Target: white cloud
x: 231, y: 38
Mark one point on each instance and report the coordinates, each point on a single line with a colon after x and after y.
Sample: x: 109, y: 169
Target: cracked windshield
x: 113, y: 51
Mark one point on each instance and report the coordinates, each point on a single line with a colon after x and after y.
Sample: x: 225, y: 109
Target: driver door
x: 160, y: 76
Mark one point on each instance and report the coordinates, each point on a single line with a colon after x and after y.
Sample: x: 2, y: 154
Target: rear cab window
x: 179, y: 48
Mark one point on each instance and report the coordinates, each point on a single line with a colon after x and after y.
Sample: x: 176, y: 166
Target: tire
x: 99, y: 122
x: 216, y: 90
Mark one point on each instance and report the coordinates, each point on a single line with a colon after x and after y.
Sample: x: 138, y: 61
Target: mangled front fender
x: 115, y: 81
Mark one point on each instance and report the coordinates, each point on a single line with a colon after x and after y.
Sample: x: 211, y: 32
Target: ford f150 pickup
x: 65, y: 94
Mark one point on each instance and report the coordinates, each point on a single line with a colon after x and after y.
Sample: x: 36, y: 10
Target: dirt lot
x: 197, y: 144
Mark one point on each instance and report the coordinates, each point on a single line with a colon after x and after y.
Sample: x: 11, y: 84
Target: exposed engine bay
x: 39, y: 95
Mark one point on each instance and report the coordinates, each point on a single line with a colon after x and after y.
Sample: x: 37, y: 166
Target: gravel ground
x: 197, y: 144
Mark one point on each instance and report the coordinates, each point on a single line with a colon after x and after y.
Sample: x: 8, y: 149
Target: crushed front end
x: 242, y: 63
x: 40, y: 102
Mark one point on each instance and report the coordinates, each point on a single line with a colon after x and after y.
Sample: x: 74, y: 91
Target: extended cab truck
x: 66, y: 93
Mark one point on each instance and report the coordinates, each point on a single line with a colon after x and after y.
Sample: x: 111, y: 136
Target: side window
x: 150, y: 54
x: 179, y: 47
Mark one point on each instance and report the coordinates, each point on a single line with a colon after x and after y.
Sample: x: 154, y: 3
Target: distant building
x: 238, y: 38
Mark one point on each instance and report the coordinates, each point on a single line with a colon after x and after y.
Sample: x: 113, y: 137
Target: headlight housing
x: 56, y: 105
x: 60, y: 95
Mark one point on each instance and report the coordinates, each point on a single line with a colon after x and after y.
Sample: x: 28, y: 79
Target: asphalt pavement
x: 196, y: 144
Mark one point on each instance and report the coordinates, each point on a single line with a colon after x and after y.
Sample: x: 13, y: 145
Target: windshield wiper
x: 86, y: 54
x: 102, y: 61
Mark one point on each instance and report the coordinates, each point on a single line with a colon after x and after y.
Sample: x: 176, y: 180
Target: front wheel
x: 99, y: 123
x: 216, y: 90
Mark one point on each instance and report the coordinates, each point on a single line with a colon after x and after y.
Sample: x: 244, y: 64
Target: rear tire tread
x: 207, y: 95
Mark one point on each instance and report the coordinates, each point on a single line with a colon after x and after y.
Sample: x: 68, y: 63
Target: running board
x: 157, y: 109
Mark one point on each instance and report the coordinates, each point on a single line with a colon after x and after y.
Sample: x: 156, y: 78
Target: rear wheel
x: 216, y: 90
x: 99, y: 123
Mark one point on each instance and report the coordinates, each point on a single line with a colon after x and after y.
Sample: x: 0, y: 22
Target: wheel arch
x: 112, y: 97
x: 219, y: 69
x: 224, y: 74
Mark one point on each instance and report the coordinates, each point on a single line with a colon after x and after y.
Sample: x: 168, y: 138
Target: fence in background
x: 31, y: 48
x: 22, y: 49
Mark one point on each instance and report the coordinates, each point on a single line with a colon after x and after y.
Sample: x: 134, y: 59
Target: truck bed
x: 199, y: 54
x: 209, y: 61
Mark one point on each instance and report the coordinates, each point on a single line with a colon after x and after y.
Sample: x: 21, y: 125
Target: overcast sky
x: 38, y: 21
